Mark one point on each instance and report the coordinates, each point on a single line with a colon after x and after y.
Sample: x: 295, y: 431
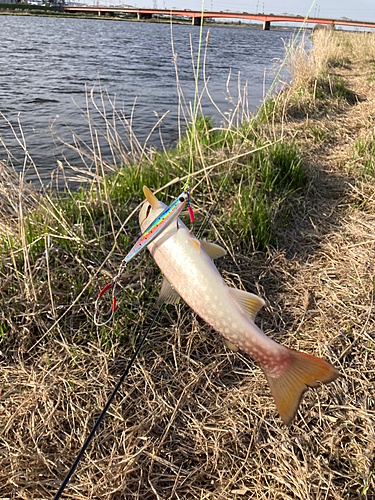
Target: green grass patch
x: 312, y: 97
x: 329, y: 85
x: 266, y: 110
x: 339, y: 62
x: 70, y: 235
x: 318, y: 133
x: 263, y: 185
x: 364, y: 155
x: 371, y: 78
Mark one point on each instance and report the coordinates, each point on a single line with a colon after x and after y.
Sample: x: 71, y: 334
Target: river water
x: 47, y: 63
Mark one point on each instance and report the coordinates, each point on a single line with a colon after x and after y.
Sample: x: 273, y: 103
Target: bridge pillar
x: 142, y: 15
x: 266, y: 25
x: 196, y: 21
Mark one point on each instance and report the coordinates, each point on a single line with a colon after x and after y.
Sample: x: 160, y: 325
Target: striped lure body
x: 159, y: 225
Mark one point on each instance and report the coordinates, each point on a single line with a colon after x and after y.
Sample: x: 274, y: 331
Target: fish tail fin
x: 304, y: 371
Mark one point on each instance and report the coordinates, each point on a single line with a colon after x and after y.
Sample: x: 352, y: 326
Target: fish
x: 190, y: 273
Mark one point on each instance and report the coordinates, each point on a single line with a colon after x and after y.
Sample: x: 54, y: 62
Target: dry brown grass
x: 193, y: 420
x: 316, y: 85
x: 329, y: 50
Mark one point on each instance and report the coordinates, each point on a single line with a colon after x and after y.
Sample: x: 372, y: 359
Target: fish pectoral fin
x: 151, y: 198
x: 192, y: 240
x: 230, y: 345
x: 168, y: 294
x: 212, y: 250
x: 303, y: 371
x: 248, y: 302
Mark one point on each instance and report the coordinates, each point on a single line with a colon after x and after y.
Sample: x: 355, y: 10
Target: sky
x: 361, y: 10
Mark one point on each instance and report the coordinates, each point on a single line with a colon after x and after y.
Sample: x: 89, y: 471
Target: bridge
x: 196, y: 16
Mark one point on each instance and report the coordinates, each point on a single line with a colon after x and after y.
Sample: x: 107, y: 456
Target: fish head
x: 150, y: 210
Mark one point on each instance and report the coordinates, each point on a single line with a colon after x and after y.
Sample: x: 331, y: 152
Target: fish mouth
x: 144, y: 213
x: 148, y: 214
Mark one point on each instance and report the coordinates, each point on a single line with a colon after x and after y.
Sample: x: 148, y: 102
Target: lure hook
x: 111, y: 310
x: 190, y: 210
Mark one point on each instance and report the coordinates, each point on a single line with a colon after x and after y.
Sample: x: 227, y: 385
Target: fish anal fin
x: 212, y: 250
x: 151, y: 198
x: 230, y: 345
x: 168, y: 294
x: 248, y: 302
x: 303, y: 371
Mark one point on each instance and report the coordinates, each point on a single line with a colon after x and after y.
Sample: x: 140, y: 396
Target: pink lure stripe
x: 191, y: 215
x: 158, y: 225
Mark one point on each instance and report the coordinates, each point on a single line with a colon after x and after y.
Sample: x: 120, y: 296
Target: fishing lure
x: 154, y: 230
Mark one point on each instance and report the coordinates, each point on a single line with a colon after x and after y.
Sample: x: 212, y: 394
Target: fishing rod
x: 104, y: 411
x: 153, y: 231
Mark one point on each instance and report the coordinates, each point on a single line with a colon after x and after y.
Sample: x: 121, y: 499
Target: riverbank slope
x: 193, y: 419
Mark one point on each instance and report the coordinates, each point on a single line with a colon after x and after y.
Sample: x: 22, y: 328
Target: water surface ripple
x: 46, y: 63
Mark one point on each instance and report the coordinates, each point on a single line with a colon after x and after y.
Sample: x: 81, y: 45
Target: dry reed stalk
x: 193, y: 419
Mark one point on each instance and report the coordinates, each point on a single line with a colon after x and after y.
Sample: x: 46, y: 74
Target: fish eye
x: 181, y: 199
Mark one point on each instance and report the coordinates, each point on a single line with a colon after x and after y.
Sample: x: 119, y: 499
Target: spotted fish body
x: 187, y: 265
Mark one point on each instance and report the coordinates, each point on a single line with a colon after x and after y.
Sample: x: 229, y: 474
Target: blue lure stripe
x: 159, y: 225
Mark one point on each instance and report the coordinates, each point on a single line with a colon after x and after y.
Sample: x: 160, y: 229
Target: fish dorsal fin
x: 248, y: 302
x: 153, y: 201
x: 168, y: 294
x: 212, y: 250
x: 194, y: 242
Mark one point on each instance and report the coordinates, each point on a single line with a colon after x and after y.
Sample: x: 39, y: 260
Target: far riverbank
x: 46, y: 11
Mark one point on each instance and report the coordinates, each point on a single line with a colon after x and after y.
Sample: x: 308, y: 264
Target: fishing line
x: 160, y: 224
x: 145, y: 242
x: 208, y: 216
x: 193, y: 129
x: 105, y: 409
